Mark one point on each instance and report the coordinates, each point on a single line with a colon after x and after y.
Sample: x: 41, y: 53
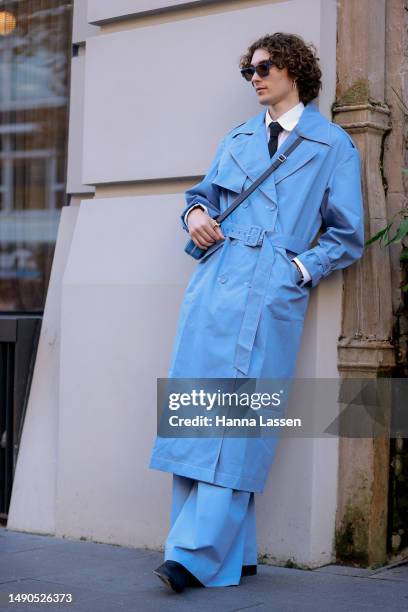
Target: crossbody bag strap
x: 278, y: 162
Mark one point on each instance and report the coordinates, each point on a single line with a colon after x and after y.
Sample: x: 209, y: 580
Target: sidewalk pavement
x: 106, y: 578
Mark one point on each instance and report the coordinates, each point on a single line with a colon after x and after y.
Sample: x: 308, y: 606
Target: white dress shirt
x: 287, y: 120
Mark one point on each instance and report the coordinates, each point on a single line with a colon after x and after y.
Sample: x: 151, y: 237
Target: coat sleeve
x: 342, y: 210
x: 205, y: 192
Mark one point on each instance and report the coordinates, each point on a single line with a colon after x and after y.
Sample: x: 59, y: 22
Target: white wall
x: 34, y: 495
x: 81, y: 31
x: 162, y: 113
x: 105, y: 10
x: 81, y: 28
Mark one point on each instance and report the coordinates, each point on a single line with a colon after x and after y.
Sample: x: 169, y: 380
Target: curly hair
x: 291, y: 52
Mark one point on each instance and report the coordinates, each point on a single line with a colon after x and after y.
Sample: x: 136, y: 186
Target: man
x: 243, y: 311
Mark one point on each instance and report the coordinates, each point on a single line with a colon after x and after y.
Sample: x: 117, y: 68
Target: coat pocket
x: 286, y: 298
x: 289, y: 255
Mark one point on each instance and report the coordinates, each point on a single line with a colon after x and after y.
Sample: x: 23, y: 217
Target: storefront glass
x: 35, y: 55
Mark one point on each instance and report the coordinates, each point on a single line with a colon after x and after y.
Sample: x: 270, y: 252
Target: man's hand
x: 200, y: 227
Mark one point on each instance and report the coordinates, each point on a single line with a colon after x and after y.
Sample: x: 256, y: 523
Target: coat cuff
x: 317, y: 264
x: 204, y: 208
x: 197, y: 201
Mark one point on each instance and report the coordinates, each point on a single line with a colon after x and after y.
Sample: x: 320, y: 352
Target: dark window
x: 35, y: 55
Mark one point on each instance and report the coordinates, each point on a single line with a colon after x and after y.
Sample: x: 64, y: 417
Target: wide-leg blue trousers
x: 213, y: 530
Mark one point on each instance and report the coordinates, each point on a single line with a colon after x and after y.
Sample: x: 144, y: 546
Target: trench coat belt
x: 266, y: 239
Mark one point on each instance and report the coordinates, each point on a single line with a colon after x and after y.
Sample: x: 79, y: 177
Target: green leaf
x: 405, y: 287
x: 404, y: 255
x: 402, y: 231
x: 379, y: 234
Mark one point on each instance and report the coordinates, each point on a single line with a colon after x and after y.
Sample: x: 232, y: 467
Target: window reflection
x: 35, y: 53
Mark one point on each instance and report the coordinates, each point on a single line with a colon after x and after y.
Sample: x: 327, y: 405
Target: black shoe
x: 176, y: 576
x: 249, y: 570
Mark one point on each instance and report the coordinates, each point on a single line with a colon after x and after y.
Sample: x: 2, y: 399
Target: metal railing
x: 19, y: 334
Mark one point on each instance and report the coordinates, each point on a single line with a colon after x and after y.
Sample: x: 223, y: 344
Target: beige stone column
x: 365, y: 347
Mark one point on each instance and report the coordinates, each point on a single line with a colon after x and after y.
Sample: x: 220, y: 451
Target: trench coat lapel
x: 313, y: 127
x: 251, y: 155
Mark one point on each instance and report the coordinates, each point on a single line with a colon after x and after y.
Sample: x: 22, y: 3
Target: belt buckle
x: 253, y: 235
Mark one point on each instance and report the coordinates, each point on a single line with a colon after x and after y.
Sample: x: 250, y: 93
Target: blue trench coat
x: 243, y: 310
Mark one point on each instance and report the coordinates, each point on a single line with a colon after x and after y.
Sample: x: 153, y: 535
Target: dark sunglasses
x: 261, y: 69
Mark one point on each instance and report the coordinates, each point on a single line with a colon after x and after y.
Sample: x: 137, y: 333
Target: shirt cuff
x: 306, y: 275
x: 202, y: 206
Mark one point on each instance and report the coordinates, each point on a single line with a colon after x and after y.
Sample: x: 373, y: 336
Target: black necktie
x: 275, y: 129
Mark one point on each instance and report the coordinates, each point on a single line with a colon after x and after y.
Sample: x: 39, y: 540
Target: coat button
x: 245, y: 204
x: 223, y: 278
x: 271, y: 207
